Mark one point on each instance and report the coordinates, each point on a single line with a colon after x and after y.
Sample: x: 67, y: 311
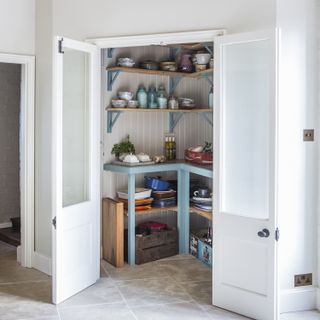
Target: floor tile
x: 199, y: 291
x: 214, y: 313
x: 118, y: 311
x: 175, y: 311
x: 30, y: 300
x: 304, y: 315
x: 146, y: 292
x: 104, y: 291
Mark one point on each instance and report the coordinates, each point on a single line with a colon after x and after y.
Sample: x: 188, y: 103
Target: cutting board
x: 113, y: 232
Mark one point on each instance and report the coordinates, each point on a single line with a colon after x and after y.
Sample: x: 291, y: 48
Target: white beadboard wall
x: 147, y: 130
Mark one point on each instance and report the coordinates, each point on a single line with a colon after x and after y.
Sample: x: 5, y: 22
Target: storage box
x: 157, y: 245
x: 199, y: 247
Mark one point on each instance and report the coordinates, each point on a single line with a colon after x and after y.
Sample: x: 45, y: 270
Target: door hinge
x: 60, y: 46
x: 54, y: 222
x: 277, y: 234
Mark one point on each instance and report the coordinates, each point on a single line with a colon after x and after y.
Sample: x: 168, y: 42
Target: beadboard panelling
x: 147, y: 130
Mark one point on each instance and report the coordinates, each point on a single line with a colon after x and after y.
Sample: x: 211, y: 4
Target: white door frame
x: 26, y: 153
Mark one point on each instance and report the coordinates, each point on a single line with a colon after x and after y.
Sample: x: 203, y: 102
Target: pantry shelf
x: 202, y: 213
x: 113, y: 73
x: 113, y: 115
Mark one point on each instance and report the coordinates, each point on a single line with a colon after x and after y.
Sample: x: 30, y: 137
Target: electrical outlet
x: 303, y: 280
x: 308, y: 135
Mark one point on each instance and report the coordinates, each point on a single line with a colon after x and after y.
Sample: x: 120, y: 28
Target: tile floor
x: 170, y: 289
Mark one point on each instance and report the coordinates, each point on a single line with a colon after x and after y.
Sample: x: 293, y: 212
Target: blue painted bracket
x: 110, y: 52
x: 174, y: 118
x: 206, y: 116
x: 209, y: 49
x: 173, y: 83
x: 112, y: 117
x: 111, y: 78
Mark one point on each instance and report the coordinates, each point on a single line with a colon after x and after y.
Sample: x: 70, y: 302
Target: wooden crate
x: 155, y: 246
x: 113, y: 232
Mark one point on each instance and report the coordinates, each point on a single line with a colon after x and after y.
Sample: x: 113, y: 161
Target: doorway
x: 17, y: 154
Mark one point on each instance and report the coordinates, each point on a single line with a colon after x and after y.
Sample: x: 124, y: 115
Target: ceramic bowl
x: 126, y: 62
x: 203, y: 58
x: 133, y: 103
x: 169, y: 66
x: 125, y: 95
x: 150, y: 65
x: 119, y: 103
x: 130, y: 158
x: 143, y: 157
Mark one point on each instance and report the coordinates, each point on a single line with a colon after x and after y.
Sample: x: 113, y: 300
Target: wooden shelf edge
x: 161, y: 72
x: 196, y: 110
x: 202, y: 213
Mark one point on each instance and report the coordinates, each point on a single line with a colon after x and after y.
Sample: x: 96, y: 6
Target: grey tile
x: 152, y: 292
x: 200, y: 291
x: 303, y: 315
x: 185, y: 311
x: 221, y: 314
x: 30, y: 300
x: 186, y: 270
x: 118, y: 311
x: 102, y: 292
x: 11, y: 271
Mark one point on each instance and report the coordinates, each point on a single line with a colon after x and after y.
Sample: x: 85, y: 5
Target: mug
x: 202, y: 193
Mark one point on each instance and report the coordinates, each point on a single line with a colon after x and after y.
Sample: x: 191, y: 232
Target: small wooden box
x: 113, y: 232
x: 155, y: 246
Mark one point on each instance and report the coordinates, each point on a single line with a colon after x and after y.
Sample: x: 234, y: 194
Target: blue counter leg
x: 183, y: 211
x: 131, y: 221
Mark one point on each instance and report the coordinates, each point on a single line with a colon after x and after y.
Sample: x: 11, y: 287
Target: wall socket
x: 303, y: 280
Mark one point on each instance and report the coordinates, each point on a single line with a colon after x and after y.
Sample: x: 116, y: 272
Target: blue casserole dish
x: 156, y: 184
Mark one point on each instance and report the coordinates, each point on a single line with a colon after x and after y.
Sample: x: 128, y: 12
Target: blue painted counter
x: 183, y: 169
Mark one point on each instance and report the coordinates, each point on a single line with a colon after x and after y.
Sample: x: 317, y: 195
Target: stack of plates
x: 202, y: 203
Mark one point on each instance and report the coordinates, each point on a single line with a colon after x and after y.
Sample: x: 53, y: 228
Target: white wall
x: 298, y: 159
x: 99, y: 18
x: 17, y: 26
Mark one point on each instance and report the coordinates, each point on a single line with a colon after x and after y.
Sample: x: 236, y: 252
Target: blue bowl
x: 156, y: 184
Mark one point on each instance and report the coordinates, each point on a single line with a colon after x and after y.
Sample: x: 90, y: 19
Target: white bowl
x: 126, y: 62
x: 131, y: 158
x: 133, y: 103
x: 140, y: 193
x: 143, y: 157
x: 203, y: 58
x: 119, y: 103
x: 125, y: 95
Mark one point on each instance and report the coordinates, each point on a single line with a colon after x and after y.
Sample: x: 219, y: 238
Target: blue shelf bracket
x: 174, y: 118
x: 112, y: 117
x: 110, y: 52
x: 173, y: 83
x: 209, y: 80
x: 112, y: 76
x: 209, y: 49
x: 206, y: 116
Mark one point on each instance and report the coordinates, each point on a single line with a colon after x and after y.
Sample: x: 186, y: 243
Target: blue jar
x: 162, y: 98
x: 152, y: 98
x: 142, y: 97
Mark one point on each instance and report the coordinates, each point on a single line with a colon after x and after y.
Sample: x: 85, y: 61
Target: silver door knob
x: 264, y: 233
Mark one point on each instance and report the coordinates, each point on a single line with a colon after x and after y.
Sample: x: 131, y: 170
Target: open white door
x: 245, y: 208
x: 75, y: 167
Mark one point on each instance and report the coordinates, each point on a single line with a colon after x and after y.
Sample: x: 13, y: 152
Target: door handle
x: 264, y: 233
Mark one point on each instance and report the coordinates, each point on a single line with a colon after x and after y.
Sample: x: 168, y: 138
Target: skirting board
x: 41, y: 263
x: 318, y: 299
x: 5, y: 225
x: 298, y: 299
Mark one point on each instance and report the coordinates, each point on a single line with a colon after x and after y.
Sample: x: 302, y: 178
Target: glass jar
x: 173, y: 103
x: 142, y: 97
x: 152, y: 98
x: 162, y: 98
x: 210, y: 98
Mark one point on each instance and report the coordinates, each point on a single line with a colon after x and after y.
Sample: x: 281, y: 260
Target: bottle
x: 152, y: 98
x: 166, y: 148
x: 162, y: 99
x: 210, y: 98
x: 170, y: 148
x: 142, y: 97
x: 174, y: 149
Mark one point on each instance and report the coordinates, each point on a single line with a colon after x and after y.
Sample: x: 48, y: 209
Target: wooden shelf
x: 202, y: 213
x: 162, y: 72
x: 154, y: 210
x: 196, y: 110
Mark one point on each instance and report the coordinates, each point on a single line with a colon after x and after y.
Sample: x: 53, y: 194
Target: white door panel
x: 245, y: 132
x: 76, y: 167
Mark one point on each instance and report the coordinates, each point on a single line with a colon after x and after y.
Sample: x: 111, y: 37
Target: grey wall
x: 10, y: 77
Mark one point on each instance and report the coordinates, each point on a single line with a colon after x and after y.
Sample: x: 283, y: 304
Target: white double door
x: 245, y: 130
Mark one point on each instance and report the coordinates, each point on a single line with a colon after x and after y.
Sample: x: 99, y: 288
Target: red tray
x: 198, y: 157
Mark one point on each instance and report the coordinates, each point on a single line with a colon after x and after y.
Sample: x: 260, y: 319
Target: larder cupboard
x: 245, y: 157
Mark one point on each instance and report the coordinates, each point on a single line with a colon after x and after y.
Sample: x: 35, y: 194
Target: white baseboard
x: 5, y: 225
x: 19, y: 254
x: 298, y: 299
x: 318, y: 298
x: 41, y: 263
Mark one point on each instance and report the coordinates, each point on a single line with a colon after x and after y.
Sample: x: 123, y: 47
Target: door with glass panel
x: 245, y: 146
x: 76, y: 167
